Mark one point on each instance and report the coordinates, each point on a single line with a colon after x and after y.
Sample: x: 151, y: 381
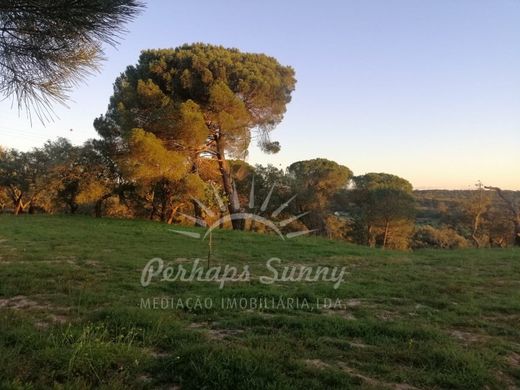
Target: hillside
x: 433, y: 205
x: 73, y: 312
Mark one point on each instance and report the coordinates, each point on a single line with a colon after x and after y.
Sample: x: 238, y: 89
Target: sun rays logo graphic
x: 262, y: 217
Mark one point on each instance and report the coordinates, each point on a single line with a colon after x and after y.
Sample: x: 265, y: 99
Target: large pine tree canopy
x: 199, y: 100
x: 191, y: 94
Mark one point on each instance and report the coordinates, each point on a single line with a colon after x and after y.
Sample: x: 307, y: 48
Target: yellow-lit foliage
x: 148, y: 161
x: 230, y: 112
x: 190, y: 126
x: 90, y: 191
x: 150, y: 95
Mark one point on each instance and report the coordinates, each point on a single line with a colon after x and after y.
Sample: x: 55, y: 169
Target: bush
x: 337, y: 227
x: 430, y: 237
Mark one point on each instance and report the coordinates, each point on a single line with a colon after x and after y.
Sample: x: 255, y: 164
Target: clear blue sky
x: 428, y: 90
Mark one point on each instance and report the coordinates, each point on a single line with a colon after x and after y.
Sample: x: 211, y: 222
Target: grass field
x: 72, y: 315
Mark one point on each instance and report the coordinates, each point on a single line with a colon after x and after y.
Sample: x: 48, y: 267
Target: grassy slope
x: 70, y: 315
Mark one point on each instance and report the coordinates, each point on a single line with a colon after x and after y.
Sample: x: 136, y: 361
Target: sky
x: 428, y: 90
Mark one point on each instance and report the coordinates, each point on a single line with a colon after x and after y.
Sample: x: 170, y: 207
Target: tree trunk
x: 173, y: 212
x: 476, y: 220
x: 18, y: 208
x: 370, y: 237
x: 73, y: 207
x: 476, y: 224
x: 151, y: 198
x: 98, y: 208
x: 197, y: 211
x: 385, y: 237
x: 517, y: 231
x: 515, y: 213
x: 164, y: 205
x: 99, y: 205
x: 172, y: 215
x: 165, y: 200
x: 228, y: 185
x: 152, y: 213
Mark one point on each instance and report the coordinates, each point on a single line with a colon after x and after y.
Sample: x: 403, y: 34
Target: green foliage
x: 372, y: 181
x: 338, y: 227
x: 188, y: 94
x: 47, y: 48
x: 24, y: 177
x: 458, y: 210
x: 384, y: 210
x: 315, y: 182
x: 444, y: 238
x: 140, y: 176
x: 57, y: 175
x: 148, y: 161
x: 319, y: 175
x: 202, y: 101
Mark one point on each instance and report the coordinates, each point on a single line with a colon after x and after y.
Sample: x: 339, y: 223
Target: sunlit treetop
x: 195, y: 94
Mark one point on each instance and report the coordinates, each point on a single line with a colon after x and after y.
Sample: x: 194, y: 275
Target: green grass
x: 70, y: 314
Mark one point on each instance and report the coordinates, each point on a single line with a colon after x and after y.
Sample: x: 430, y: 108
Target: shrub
x: 428, y: 236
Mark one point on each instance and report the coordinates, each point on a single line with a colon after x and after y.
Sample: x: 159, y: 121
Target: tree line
x: 172, y: 146
x: 375, y: 209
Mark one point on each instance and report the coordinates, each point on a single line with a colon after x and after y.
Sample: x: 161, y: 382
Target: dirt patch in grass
x: 221, y: 334
x: 514, y: 360
x: 52, y: 319
x: 387, y: 315
x: 502, y: 318
x: 48, y: 262
x: 316, y: 363
x: 199, y: 325
x: 215, y: 334
x: 21, y: 302
x: 260, y: 313
x: 339, y: 313
x: 469, y: 337
x: 375, y: 382
x: 356, y: 344
x: 506, y: 380
x: 55, y: 314
x: 158, y: 354
x: 144, y: 378
x: 353, y: 302
x: 320, y: 365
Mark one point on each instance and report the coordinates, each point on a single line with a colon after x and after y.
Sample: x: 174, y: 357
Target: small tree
x: 475, y: 209
x: 444, y: 237
x: 513, y: 210
x: 384, y: 208
x: 315, y: 182
x: 24, y: 177
x: 102, y: 177
x: 161, y: 173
